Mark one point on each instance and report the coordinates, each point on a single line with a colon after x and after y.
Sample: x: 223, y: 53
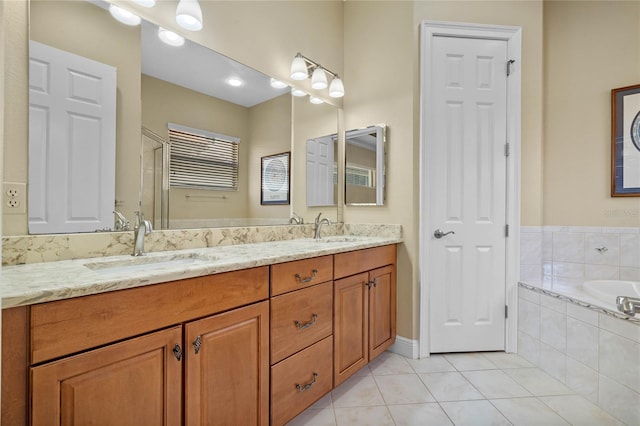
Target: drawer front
x: 354, y: 262
x: 299, y: 319
x: 66, y: 326
x: 301, y: 380
x: 290, y: 276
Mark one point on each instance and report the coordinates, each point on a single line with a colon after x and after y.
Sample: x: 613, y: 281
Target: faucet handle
x: 318, y: 218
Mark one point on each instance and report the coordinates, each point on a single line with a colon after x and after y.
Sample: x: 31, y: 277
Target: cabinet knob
x: 177, y: 352
x: 196, y: 344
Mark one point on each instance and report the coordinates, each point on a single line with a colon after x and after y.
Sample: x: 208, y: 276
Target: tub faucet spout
x: 142, y: 227
x: 628, y: 305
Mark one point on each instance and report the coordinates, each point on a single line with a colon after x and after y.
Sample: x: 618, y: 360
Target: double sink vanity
x: 237, y: 334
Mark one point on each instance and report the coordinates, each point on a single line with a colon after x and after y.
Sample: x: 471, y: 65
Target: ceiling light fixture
x: 145, y: 3
x: 189, y: 15
x: 277, y: 84
x: 169, y: 37
x: 298, y: 92
x: 300, y: 68
x: 315, y: 100
x: 234, y: 81
x: 124, y: 16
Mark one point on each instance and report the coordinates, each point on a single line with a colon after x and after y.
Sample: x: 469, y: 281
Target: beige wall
x: 270, y: 134
x: 590, y: 48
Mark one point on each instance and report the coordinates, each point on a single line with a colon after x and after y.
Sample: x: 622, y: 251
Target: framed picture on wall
x: 275, y: 179
x: 625, y: 141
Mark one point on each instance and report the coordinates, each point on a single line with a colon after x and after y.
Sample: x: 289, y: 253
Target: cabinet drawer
x: 354, y: 262
x: 301, y: 380
x: 299, y: 319
x: 299, y: 274
x: 72, y: 325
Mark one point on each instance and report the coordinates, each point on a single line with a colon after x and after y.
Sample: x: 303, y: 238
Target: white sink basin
x: 340, y: 239
x: 142, y: 263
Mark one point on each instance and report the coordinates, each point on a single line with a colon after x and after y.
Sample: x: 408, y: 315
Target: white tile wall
x: 570, y: 252
x: 592, y: 353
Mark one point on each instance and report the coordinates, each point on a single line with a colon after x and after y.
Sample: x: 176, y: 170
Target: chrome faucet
x: 121, y: 224
x: 628, y: 305
x: 142, y: 227
x: 296, y: 220
x: 319, y: 223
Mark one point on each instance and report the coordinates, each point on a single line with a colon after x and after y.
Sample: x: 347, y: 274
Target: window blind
x: 201, y: 159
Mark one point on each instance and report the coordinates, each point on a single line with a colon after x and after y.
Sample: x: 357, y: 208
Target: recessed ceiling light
x: 169, y: 37
x: 277, y: 84
x: 234, y: 81
x: 124, y: 16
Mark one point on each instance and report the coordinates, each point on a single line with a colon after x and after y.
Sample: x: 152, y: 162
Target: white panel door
x: 320, y: 172
x: 467, y: 186
x: 72, y: 127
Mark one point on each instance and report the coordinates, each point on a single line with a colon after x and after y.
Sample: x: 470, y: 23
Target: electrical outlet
x: 14, y: 197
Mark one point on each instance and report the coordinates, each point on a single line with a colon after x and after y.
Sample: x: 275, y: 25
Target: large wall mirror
x: 364, y: 172
x: 157, y: 85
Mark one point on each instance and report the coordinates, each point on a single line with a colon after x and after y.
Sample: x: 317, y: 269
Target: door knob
x: 439, y: 234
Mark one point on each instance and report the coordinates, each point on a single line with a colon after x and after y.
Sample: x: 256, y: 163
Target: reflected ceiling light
x: 300, y: 71
x: 336, y: 90
x: 315, y: 100
x: 145, y: 3
x: 298, y: 92
x: 319, y: 79
x: 277, y: 84
x: 234, y: 81
x: 189, y: 15
x: 124, y: 16
x: 169, y: 37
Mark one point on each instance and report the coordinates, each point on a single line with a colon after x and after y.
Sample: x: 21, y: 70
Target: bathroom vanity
x: 250, y: 345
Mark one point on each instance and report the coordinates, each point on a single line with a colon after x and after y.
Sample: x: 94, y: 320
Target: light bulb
x: 319, y: 79
x: 277, y: 84
x: 315, y: 100
x: 298, y: 92
x: 336, y: 89
x: 234, y: 81
x: 189, y: 15
x: 169, y: 37
x: 299, y: 68
x: 124, y: 16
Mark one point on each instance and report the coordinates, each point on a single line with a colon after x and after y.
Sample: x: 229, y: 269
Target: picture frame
x: 625, y: 141
x: 275, y: 179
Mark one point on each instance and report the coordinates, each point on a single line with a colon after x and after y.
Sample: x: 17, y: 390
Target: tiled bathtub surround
x: 592, y: 352
x: 572, y: 253
x: 47, y: 248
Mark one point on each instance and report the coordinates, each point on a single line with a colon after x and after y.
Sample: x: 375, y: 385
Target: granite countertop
x: 44, y: 282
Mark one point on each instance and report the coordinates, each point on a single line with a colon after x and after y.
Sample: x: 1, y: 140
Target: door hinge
x: 506, y: 311
x: 510, y: 63
x: 506, y: 230
x: 507, y: 149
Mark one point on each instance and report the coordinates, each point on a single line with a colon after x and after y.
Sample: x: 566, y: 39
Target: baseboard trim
x: 405, y: 347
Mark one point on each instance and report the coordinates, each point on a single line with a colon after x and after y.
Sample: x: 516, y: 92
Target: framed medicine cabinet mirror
x: 364, y: 172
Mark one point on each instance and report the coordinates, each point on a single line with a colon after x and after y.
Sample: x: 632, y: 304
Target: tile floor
x: 490, y: 388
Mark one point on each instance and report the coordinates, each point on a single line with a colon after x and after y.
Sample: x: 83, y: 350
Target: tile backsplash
x: 579, y: 252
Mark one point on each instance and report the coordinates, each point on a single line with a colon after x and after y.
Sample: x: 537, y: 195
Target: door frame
x: 513, y: 36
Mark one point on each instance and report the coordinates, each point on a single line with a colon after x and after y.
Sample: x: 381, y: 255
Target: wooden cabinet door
x: 382, y: 310
x: 135, y: 382
x: 350, y: 319
x: 227, y: 368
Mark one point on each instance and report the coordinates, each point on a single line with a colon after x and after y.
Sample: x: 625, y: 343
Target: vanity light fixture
x: 315, y: 100
x: 124, y: 16
x: 169, y: 37
x: 189, y: 15
x: 298, y: 92
x: 300, y: 68
x: 277, y: 84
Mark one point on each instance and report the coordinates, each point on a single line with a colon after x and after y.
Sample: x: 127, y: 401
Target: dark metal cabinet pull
x: 196, y: 344
x: 302, y: 388
x: 301, y: 280
x: 372, y: 283
x: 177, y: 352
x: 301, y: 326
